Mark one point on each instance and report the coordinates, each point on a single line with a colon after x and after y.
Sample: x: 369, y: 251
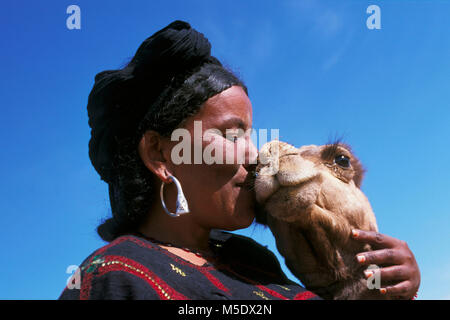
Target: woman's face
x: 214, y: 192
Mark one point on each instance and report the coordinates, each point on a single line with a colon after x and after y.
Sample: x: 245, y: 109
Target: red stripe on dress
x: 304, y: 295
x: 272, y: 292
x: 216, y: 282
x: 86, y: 286
x: 119, y: 263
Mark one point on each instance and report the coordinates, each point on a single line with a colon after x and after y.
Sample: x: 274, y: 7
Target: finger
x: 376, y: 239
x: 379, y: 257
x: 402, y: 290
x: 388, y: 275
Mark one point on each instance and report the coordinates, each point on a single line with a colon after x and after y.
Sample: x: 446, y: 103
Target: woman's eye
x: 342, y: 161
x: 233, y: 136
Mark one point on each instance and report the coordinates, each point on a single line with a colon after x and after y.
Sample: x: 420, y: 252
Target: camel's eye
x: 342, y: 161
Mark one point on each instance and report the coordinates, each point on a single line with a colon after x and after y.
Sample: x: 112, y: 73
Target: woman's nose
x: 252, y: 156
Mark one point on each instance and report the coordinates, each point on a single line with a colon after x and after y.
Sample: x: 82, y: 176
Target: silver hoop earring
x: 182, y: 205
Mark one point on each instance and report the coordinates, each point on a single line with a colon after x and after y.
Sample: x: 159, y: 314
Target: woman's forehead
x: 230, y: 107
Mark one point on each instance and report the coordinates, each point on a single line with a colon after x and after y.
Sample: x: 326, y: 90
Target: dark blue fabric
x: 248, y: 264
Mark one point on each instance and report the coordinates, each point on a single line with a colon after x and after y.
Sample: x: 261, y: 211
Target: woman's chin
x: 240, y: 223
x: 244, y: 213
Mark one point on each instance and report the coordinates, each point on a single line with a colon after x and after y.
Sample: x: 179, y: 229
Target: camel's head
x: 311, y: 199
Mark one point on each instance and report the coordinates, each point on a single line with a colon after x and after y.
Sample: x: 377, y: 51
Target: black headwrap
x: 120, y: 98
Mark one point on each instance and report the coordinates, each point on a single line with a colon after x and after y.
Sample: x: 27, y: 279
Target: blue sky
x: 313, y: 69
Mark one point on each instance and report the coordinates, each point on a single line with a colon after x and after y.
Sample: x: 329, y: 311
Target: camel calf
x: 310, y: 198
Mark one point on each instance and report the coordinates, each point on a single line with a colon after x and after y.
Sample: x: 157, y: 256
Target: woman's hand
x: 399, y: 272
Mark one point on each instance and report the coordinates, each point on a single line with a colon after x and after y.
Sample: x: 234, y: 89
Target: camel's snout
x: 280, y: 165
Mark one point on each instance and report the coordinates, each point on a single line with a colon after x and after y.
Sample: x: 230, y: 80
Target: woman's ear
x: 150, y: 149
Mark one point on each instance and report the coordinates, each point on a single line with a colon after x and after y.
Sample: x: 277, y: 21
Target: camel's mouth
x: 267, y: 187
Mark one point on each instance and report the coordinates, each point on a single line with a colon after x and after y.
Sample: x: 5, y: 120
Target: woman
x: 163, y: 236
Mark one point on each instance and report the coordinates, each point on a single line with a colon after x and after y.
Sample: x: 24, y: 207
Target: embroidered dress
x: 132, y: 267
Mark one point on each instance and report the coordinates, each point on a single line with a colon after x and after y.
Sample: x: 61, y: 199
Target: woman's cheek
x: 219, y: 150
x: 235, y: 152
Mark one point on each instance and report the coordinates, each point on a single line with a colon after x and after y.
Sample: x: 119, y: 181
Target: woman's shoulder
x: 122, y: 251
x: 127, y: 246
x: 119, y: 270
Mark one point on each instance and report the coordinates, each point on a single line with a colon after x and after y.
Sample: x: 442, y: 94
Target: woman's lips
x: 248, y: 183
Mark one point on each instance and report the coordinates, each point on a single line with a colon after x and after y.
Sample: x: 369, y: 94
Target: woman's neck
x: 180, y: 231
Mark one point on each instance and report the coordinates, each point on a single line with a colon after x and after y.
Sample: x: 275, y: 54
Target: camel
x: 310, y: 198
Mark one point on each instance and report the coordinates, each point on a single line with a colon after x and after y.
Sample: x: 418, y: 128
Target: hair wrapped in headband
x: 120, y: 98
